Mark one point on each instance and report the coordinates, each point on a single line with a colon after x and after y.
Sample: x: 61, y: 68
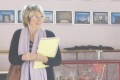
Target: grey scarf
x: 27, y: 70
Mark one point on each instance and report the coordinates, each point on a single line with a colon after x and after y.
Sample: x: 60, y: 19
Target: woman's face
x: 36, y: 19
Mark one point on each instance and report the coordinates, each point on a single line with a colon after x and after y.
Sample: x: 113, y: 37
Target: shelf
x: 89, y: 61
x: 86, y: 51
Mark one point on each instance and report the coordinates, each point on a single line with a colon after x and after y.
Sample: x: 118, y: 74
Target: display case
x: 94, y: 69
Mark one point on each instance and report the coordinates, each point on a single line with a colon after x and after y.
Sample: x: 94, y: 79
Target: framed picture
x: 82, y: 17
x: 85, y: 0
x: 19, y: 16
x: 63, y: 16
x: 115, y: 0
x: 101, y: 0
x: 115, y: 18
x: 7, y: 16
x: 100, y: 17
x: 48, y: 17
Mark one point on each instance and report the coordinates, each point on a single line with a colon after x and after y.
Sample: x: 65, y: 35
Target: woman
x: 24, y: 44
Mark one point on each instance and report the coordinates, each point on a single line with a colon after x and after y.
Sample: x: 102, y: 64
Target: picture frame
x: 101, y: 0
x: 115, y: 17
x: 64, y: 17
x: 82, y: 17
x: 115, y: 0
x: 84, y: 0
x: 7, y: 16
x: 19, y: 16
x: 48, y: 17
x: 100, y: 17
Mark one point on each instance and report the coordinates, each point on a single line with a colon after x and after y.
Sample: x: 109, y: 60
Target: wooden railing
x: 75, y: 51
x: 3, y: 51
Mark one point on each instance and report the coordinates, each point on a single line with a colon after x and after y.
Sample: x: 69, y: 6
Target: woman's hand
x: 29, y: 56
x: 42, y: 58
x: 36, y: 57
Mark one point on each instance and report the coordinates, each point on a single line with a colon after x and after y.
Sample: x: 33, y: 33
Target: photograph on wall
x: 115, y: 18
x: 19, y: 16
x: 7, y: 16
x: 115, y: 0
x: 63, y: 16
x: 85, y: 0
x: 101, y: 0
x: 82, y: 17
x: 48, y: 17
x: 100, y: 17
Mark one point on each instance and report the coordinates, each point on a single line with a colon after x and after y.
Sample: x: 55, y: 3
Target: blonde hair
x: 28, y: 9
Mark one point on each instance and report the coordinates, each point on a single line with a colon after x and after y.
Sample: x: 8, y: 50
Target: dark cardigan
x: 14, y: 58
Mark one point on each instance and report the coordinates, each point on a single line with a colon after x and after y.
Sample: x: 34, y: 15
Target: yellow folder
x: 47, y: 47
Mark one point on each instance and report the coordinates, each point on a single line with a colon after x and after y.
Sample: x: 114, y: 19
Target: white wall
x: 71, y: 34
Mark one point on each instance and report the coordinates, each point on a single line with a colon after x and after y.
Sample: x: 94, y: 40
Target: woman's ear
x: 28, y: 18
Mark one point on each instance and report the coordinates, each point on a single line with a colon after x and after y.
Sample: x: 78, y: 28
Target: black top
x: 14, y: 58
